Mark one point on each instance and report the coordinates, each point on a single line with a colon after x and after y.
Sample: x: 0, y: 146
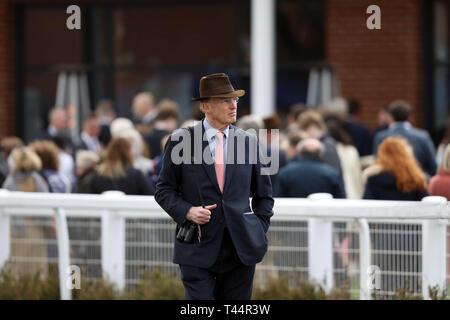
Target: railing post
x: 62, y: 234
x: 113, y: 244
x: 4, y: 233
x: 320, y: 247
x: 364, y: 259
x: 434, y: 249
x: 4, y: 238
x: 263, y: 73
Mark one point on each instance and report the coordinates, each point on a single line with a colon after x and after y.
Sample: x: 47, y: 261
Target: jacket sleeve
x: 168, y: 193
x: 377, y: 139
x: 261, y: 190
x: 277, y: 188
x: 431, y: 164
x: 339, y: 188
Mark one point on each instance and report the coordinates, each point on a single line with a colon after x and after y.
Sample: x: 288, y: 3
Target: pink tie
x: 218, y: 160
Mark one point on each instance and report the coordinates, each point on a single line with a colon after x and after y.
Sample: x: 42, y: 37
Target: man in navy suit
x: 232, y: 235
x: 420, y: 140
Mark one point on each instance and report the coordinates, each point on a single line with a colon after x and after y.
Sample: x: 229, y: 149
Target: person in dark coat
x: 360, y: 134
x: 116, y: 172
x: 347, y: 111
x: 308, y: 174
x: 420, y: 140
x: 231, y: 238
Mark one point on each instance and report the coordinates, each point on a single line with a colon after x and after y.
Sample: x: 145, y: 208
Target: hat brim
x: 234, y: 94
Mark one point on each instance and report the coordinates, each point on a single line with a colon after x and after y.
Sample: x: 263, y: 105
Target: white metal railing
x: 302, y: 237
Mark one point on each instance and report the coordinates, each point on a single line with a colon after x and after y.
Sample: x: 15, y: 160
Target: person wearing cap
x: 220, y: 264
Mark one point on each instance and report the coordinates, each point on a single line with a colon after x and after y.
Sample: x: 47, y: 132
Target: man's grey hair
x: 250, y: 122
x: 311, y: 148
x: 119, y: 125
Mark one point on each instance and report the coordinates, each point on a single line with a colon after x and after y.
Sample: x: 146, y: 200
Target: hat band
x: 216, y: 90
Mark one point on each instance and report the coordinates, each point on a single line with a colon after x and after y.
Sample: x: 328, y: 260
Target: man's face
x: 142, y: 104
x: 138, y: 109
x: 59, y: 120
x: 221, y: 112
x: 92, y: 127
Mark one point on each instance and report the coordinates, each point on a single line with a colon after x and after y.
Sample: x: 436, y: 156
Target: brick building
x: 165, y: 46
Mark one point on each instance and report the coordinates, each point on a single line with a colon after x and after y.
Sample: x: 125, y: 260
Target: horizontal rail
x: 88, y: 205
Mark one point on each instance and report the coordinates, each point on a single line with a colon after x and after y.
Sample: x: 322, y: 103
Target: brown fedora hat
x: 217, y: 85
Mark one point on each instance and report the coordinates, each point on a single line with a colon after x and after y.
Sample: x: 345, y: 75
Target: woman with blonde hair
x: 440, y: 183
x: 24, y: 165
x: 395, y: 174
x: 116, y: 171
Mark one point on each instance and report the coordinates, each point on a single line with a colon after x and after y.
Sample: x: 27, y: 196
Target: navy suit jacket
x: 420, y: 140
x: 360, y: 136
x: 307, y: 175
x: 176, y: 193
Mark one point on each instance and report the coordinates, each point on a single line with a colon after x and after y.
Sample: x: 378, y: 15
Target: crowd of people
x: 322, y: 149
x: 326, y: 149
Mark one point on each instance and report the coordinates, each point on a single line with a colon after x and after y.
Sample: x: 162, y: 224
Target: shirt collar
x: 150, y: 116
x: 211, y: 131
x: 86, y: 136
x: 401, y: 124
x: 52, y: 131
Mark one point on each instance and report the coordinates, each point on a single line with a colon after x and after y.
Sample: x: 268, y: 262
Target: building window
x: 441, y: 63
x: 165, y: 48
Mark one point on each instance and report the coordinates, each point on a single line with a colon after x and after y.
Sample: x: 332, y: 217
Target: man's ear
x: 204, y: 106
